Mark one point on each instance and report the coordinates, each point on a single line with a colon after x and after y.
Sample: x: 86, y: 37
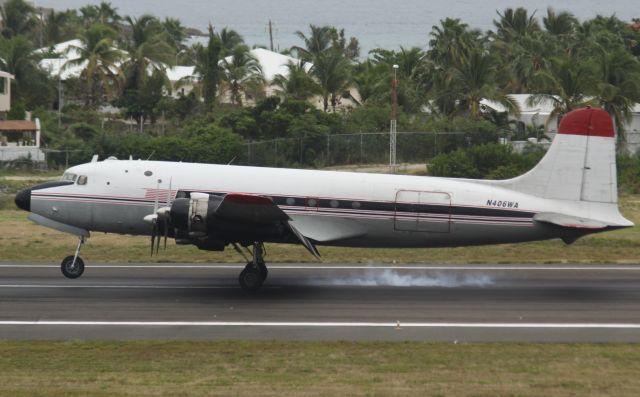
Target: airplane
x: 570, y: 193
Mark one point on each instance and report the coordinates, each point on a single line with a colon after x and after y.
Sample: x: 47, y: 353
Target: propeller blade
x: 158, y: 244
x: 153, y: 237
x: 166, y: 232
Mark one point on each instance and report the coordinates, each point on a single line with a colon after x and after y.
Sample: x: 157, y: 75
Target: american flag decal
x: 161, y: 195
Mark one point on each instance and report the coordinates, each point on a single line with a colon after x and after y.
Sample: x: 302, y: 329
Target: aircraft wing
x: 246, y: 208
x: 256, y: 210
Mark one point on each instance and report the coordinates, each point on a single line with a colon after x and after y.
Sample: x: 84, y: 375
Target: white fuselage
x: 329, y: 207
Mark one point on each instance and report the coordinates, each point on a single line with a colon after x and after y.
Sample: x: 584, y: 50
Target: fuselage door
x: 417, y: 211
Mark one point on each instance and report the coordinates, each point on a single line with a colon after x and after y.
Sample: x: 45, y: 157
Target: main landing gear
x: 254, y: 274
x: 73, y: 266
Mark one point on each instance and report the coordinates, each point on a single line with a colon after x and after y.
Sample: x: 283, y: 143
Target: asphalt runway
x: 542, y: 303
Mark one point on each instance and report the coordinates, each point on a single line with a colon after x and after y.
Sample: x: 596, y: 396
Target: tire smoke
x: 393, y: 278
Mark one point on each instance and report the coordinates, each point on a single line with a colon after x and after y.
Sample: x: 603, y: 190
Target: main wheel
x: 263, y: 271
x: 70, y: 269
x: 251, y: 278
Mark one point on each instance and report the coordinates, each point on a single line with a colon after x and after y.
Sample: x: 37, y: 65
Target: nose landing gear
x: 73, y: 266
x: 255, y: 273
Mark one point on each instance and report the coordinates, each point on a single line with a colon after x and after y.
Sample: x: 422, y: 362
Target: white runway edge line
x: 120, y: 286
x: 320, y: 324
x: 349, y: 267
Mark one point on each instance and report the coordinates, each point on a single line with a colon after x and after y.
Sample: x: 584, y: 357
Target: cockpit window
x: 67, y: 176
x: 82, y: 180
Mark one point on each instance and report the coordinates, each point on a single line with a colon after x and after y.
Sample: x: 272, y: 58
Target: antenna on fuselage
x: 232, y: 160
x: 94, y: 159
x: 152, y: 153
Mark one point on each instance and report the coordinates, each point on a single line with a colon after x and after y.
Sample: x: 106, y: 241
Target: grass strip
x: 316, y: 368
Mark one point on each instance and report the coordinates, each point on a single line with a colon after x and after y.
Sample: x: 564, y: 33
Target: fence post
x: 435, y: 144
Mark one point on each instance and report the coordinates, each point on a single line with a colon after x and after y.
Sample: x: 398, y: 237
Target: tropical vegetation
x: 329, y: 88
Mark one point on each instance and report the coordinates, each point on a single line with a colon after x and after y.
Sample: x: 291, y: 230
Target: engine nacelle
x: 192, y: 220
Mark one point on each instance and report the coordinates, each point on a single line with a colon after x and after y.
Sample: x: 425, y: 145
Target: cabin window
x: 312, y: 202
x: 67, y: 176
x: 291, y: 201
x: 82, y: 180
x: 355, y: 205
x: 334, y: 203
x: 148, y: 173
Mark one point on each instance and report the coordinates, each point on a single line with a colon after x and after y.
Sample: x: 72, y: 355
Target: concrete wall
x: 5, y: 94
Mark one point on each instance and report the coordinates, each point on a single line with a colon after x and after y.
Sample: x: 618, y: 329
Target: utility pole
x: 270, y: 35
x: 394, y: 119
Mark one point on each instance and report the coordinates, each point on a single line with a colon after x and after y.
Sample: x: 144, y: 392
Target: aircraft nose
x: 23, y: 199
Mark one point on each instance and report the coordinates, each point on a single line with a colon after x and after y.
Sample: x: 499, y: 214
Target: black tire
x: 250, y: 278
x: 71, y: 270
x: 263, y: 271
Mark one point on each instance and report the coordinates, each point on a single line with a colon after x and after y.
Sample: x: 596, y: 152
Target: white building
x: 19, y: 139
x: 5, y: 92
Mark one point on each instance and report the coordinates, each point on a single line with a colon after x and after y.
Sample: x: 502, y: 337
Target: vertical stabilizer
x: 580, y: 165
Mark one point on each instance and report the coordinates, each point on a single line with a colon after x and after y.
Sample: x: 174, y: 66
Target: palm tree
x: 297, y: 84
x: 567, y: 83
x: 451, y: 41
x: 515, y: 23
x: 332, y: 72
x: 372, y: 80
x: 103, y: 13
x: 18, y: 18
x: 474, y: 80
x: 176, y: 32
x: 207, y: 68
x: 316, y: 43
x: 559, y: 24
x: 619, y: 87
x: 229, y: 39
x: 108, y: 14
x: 101, y: 61
x: 241, y: 72
x: 17, y: 57
x: 60, y: 26
x: 521, y: 60
x: 411, y: 65
x: 147, y: 45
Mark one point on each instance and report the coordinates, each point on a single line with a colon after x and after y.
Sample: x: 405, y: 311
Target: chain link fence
x: 347, y: 149
x: 317, y: 151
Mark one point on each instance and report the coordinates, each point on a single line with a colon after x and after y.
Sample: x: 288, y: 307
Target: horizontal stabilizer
x: 569, y: 221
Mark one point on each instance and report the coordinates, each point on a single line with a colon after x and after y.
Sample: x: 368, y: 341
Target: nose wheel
x: 255, y: 273
x: 73, y: 266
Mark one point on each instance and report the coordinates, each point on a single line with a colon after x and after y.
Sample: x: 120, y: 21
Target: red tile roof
x: 17, y: 125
